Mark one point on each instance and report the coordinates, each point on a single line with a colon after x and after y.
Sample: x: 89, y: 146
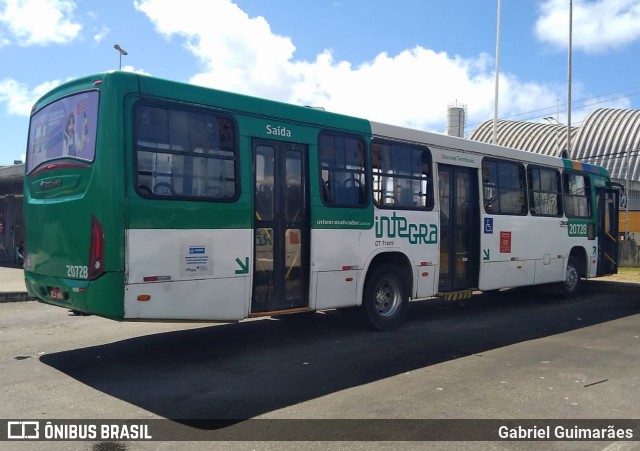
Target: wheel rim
x: 388, y: 297
x: 571, y: 280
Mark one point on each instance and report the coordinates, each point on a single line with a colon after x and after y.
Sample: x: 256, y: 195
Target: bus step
x: 457, y: 295
x: 279, y: 312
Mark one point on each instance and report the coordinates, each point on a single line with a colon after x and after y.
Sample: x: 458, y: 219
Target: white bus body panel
x: 331, y: 251
x: 340, y: 259
x: 522, y: 250
x: 199, y: 274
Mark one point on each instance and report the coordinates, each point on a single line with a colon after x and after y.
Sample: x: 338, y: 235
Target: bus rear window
x: 65, y: 128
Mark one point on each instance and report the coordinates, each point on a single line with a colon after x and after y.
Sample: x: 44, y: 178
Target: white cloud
x: 598, y: 25
x: 100, y: 35
x: 19, y: 99
x: 134, y: 70
x: 413, y: 88
x: 39, y: 22
x: 237, y: 52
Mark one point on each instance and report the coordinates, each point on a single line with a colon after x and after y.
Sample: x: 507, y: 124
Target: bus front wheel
x: 572, y: 282
x: 385, y: 302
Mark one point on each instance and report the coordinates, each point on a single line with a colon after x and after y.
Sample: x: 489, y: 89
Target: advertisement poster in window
x: 65, y: 128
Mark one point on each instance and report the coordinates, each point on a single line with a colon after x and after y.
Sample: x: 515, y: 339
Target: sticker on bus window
x: 196, y: 259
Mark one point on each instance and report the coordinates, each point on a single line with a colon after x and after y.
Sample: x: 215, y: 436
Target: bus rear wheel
x: 385, y: 301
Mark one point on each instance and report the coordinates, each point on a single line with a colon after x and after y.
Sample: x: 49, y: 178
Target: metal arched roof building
x: 610, y: 138
x: 530, y: 136
x: 607, y: 137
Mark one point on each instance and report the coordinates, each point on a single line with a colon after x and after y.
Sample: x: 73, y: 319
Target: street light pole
x: 497, y: 82
x: 626, y: 189
x: 121, y: 51
x: 569, y: 79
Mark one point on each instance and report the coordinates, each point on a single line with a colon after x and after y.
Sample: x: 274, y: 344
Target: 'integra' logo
x: 398, y: 226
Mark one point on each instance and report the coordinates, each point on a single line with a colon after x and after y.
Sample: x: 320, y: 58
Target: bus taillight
x: 96, y: 254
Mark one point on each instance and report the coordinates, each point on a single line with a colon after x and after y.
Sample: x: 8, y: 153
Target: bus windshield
x: 65, y: 128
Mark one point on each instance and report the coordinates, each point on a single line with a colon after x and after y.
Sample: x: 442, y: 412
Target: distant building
x: 456, y: 120
x: 11, y: 217
x: 607, y: 137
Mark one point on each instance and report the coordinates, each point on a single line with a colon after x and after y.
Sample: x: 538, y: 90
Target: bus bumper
x: 103, y: 296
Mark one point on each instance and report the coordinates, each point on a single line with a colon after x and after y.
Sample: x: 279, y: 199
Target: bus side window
x: 577, y: 199
x: 347, y: 192
x: 184, y: 153
x: 545, y: 191
x: 342, y: 170
x: 401, y: 175
x: 504, y: 187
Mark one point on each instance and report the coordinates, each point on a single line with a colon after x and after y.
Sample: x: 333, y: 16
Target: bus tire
x: 385, y: 301
x: 572, y: 281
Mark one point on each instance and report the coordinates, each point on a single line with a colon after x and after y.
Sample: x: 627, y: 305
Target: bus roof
x: 246, y: 104
x: 479, y: 148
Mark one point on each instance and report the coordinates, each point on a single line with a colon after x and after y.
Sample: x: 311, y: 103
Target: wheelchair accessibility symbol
x: 488, y: 225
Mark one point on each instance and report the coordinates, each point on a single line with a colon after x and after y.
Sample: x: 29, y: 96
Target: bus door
x: 607, y: 202
x: 459, y: 229
x: 281, y: 256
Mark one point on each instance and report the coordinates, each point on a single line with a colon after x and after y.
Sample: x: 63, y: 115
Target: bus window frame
x: 32, y: 170
x: 429, y: 203
x: 531, y: 191
x: 524, y: 210
x: 365, y: 171
x: 188, y: 108
x: 588, y: 194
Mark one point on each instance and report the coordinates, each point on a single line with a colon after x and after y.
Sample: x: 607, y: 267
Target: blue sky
x: 401, y: 62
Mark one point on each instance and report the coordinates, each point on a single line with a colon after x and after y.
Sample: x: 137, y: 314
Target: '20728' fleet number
x: 77, y: 271
x: 577, y: 230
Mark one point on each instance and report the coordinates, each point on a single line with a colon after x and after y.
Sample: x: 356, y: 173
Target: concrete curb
x: 15, y: 297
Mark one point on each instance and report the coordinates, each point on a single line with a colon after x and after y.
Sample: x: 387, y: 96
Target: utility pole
x: 569, y: 80
x: 495, y: 105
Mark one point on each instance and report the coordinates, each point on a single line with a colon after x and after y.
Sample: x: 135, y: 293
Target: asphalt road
x: 515, y: 355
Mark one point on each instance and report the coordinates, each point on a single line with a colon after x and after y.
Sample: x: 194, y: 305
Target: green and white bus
x: 147, y: 199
